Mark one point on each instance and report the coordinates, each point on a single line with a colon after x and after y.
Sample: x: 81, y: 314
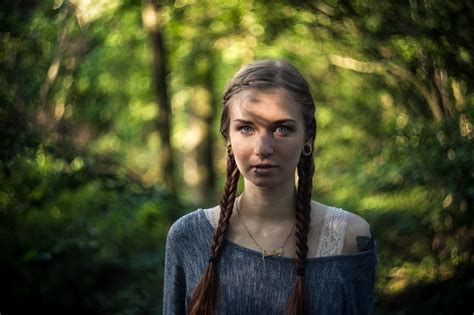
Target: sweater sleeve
x: 360, y: 291
x: 174, y: 290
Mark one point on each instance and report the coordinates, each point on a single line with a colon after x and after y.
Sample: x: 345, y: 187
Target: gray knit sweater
x: 341, y: 284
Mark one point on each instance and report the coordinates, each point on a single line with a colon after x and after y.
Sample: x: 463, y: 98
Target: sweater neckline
x: 341, y: 257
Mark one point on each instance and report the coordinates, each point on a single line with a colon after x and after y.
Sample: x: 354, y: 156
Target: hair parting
x: 203, y: 297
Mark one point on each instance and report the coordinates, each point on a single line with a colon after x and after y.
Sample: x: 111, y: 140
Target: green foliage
x: 77, y: 241
x: 84, y: 210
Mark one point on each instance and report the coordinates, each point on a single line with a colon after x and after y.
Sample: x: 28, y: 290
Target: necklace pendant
x: 273, y: 252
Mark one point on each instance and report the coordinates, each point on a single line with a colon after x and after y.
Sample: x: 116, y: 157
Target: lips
x: 263, y: 169
x: 264, y: 166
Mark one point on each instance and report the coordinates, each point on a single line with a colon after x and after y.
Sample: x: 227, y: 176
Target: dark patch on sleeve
x: 365, y: 243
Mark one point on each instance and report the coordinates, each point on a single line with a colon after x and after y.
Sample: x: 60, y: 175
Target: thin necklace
x: 272, y: 252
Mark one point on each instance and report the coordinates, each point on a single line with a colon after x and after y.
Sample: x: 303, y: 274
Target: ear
x: 229, y: 149
x: 307, y: 147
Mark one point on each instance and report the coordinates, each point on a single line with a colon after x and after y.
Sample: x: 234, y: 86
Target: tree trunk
x: 206, y: 156
x: 150, y: 15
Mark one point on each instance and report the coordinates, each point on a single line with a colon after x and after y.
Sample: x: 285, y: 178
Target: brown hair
x: 262, y: 75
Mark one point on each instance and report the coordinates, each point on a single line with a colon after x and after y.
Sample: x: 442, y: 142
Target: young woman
x: 271, y: 250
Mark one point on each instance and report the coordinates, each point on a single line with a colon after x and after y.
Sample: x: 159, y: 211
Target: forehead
x: 268, y: 105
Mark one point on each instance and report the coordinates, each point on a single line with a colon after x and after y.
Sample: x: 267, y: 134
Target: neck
x: 269, y: 205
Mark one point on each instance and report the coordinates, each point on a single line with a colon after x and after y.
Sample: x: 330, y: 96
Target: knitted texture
x: 248, y: 284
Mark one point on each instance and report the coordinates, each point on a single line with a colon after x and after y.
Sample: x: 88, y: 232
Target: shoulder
x: 351, y: 225
x: 318, y: 211
x: 183, y: 228
x: 356, y: 227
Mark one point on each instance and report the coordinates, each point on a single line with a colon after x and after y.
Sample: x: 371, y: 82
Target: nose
x: 264, y: 146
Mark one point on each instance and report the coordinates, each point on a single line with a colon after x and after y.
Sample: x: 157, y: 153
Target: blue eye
x: 282, y: 129
x: 245, y: 129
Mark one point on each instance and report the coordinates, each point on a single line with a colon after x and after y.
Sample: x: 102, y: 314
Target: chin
x: 265, y: 182
x: 262, y: 184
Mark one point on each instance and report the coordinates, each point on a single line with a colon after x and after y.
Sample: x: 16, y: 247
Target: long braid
x: 203, y: 297
x: 227, y: 205
x: 263, y: 75
x: 298, y: 301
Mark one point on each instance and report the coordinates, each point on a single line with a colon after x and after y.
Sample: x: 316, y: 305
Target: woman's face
x: 267, y: 134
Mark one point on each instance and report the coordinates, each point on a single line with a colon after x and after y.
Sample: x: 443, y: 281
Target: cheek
x: 291, y: 152
x: 293, y: 146
x: 241, y: 150
x: 242, y: 161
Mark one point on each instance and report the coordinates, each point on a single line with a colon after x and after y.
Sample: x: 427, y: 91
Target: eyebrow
x: 277, y: 122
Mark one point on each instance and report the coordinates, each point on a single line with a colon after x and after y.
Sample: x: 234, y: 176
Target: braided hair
x: 263, y: 75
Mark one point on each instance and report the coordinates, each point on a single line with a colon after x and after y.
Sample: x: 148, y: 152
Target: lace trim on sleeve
x: 333, y: 232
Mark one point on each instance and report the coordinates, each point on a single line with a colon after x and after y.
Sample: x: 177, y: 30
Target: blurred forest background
x: 109, y: 132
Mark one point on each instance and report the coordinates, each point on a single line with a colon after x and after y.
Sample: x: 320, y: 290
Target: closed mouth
x: 264, y: 166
